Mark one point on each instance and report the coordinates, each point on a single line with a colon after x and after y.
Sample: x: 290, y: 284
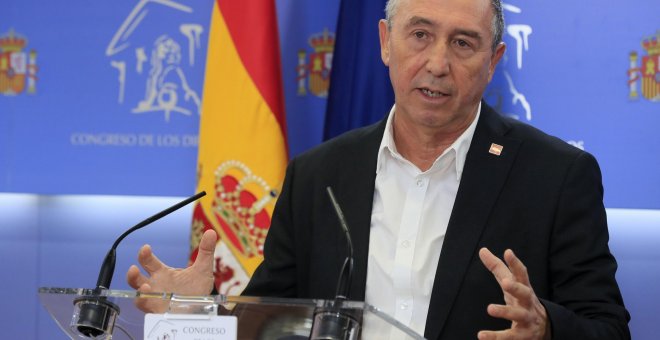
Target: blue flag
x: 360, y: 90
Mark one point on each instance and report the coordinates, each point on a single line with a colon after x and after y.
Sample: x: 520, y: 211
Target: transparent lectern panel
x: 113, y: 314
x: 289, y: 319
x: 61, y: 305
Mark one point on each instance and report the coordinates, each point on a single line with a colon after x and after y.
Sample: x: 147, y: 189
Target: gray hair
x: 498, y: 19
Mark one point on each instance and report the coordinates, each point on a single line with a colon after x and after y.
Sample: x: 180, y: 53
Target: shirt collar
x: 460, y: 146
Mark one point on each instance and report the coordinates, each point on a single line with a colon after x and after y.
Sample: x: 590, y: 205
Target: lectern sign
x: 189, y: 327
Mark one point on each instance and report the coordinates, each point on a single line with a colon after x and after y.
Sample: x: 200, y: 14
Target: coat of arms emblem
x: 317, y: 68
x: 648, y: 72
x: 241, y: 214
x: 18, y: 68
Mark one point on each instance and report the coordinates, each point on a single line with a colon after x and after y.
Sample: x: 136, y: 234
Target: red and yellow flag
x: 242, y: 144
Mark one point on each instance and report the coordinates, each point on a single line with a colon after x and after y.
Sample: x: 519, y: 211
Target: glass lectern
x: 257, y: 318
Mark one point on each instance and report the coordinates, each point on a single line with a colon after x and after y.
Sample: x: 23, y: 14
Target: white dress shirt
x: 409, y: 220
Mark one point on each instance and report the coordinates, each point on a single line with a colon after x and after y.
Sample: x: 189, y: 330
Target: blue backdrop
x: 113, y: 105
x: 115, y: 108
x: 104, y: 98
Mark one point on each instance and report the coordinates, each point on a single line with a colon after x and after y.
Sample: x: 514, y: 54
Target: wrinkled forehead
x: 476, y: 13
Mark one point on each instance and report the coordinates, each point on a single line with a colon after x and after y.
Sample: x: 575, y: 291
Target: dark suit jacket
x: 541, y: 197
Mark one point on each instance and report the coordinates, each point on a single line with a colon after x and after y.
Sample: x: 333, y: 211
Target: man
x: 429, y: 192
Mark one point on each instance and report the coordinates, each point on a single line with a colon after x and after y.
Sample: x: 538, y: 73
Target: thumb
x: 206, y: 251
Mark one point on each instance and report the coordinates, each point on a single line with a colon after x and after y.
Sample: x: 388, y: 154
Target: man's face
x: 440, y: 57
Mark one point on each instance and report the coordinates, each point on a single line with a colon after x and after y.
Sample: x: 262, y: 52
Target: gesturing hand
x: 194, y: 280
x: 528, y: 316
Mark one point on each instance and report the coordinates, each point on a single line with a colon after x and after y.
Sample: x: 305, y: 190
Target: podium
x: 257, y: 317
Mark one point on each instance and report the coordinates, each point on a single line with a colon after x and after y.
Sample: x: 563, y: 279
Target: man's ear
x: 495, y: 59
x: 384, y: 34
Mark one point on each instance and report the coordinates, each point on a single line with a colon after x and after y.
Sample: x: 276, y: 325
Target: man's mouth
x: 432, y: 94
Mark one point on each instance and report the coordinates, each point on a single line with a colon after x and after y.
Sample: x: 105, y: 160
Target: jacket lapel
x: 483, y: 176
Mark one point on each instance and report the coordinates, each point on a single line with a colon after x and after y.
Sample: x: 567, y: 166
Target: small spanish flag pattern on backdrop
x: 242, y: 139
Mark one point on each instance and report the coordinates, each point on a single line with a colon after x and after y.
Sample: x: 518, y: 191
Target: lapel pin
x: 496, y: 149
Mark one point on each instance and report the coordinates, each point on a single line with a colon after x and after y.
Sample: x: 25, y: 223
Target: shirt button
x: 403, y: 306
x: 420, y: 183
x: 405, y: 244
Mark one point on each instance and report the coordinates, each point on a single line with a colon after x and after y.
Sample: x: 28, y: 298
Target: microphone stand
x: 333, y: 321
x: 94, y: 315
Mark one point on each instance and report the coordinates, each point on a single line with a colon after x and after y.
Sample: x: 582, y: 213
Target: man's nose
x: 437, y: 61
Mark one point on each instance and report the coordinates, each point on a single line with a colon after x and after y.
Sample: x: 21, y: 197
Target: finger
x: 511, y: 313
x: 150, y: 304
x: 494, y: 335
x: 149, y: 261
x: 494, y: 265
x: 522, y: 293
x: 145, y: 288
x: 134, y: 278
x: 144, y: 303
x: 206, y: 252
x: 517, y: 267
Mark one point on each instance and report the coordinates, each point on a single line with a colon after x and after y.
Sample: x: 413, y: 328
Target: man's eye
x: 420, y: 35
x: 462, y: 43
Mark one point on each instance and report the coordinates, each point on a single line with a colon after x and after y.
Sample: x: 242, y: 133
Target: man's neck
x: 422, y: 145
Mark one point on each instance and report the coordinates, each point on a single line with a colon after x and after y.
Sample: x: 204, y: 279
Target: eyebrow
x: 469, y: 33
x: 420, y: 21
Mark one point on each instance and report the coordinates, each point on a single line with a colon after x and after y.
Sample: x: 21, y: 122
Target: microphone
x: 346, y: 274
x: 333, y: 322
x: 108, y: 266
x: 94, y: 315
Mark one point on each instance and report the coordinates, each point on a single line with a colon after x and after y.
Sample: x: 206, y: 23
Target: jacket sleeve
x: 585, y: 299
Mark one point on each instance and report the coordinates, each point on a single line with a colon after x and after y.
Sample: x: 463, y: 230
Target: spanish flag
x: 242, y: 138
